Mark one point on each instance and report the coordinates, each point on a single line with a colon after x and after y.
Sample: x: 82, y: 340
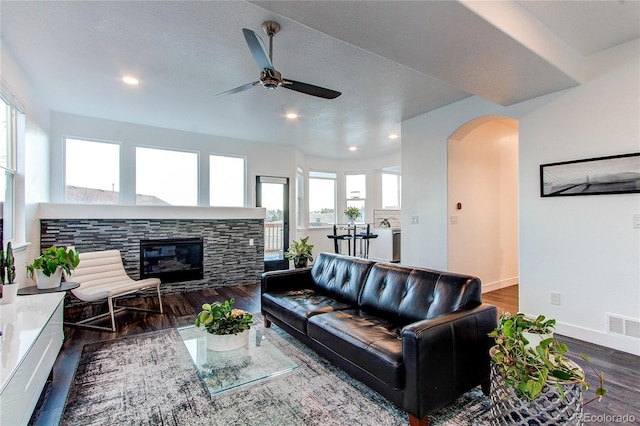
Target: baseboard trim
x: 497, y: 285
x: 622, y: 343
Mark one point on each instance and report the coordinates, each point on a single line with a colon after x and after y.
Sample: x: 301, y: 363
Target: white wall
x: 483, y: 178
x: 583, y: 247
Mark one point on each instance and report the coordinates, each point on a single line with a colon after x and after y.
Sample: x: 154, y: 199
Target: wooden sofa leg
x: 267, y: 323
x: 486, y: 387
x: 414, y: 421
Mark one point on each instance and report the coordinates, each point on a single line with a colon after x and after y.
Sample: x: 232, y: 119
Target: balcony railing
x: 273, y: 236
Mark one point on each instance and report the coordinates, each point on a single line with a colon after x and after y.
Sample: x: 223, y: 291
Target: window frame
x: 10, y: 171
x: 162, y: 148
x: 359, y: 199
x: 323, y: 175
x: 398, y: 192
x: 64, y: 166
x: 244, y: 177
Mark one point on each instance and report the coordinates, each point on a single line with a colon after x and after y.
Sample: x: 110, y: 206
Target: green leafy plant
x: 219, y: 318
x: 528, y: 369
x: 52, y: 259
x: 300, y: 252
x: 352, y: 212
x: 7, y: 266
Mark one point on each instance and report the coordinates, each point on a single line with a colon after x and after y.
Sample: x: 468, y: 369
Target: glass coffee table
x: 257, y: 362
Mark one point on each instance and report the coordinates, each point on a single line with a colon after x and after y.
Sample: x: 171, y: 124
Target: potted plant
x: 48, y: 267
x: 531, y: 374
x: 8, y: 276
x: 300, y: 252
x: 352, y: 213
x: 226, y: 328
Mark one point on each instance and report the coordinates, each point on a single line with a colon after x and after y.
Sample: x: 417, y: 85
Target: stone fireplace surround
x: 228, y: 257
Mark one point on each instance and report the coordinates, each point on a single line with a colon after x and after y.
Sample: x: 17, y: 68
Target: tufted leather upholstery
x: 407, y: 295
x: 341, y: 277
x: 417, y: 336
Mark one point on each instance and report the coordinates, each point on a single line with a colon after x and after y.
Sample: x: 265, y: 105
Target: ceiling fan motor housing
x: 270, y: 78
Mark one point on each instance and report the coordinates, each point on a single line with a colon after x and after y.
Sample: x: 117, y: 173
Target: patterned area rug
x: 150, y: 379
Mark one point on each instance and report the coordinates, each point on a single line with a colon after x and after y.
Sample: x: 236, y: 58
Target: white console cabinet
x: 32, y: 336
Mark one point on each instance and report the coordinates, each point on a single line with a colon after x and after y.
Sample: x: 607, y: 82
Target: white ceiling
x: 392, y: 60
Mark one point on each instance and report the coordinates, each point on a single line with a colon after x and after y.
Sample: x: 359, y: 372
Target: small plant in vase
x: 530, y: 368
x: 47, y: 268
x: 8, y: 275
x: 352, y: 213
x: 226, y: 328
x: 300, y: 252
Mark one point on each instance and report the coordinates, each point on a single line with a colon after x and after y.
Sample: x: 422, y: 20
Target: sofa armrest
x: 446, y: 356
x: 290, y: 279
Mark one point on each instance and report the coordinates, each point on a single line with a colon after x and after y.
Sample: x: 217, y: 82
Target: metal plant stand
x: 549, y: 408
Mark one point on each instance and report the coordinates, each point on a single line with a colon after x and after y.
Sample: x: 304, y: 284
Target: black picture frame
x: 615, y: 174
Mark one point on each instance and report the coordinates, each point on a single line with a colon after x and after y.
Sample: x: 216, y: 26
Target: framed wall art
x: 616, y: 174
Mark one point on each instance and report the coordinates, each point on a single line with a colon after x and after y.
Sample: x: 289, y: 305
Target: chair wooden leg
x: 414, y: 421
x: 267, y: 323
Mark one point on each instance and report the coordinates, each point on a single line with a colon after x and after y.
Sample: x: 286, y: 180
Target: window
x: 299, y: 198
x: 227, y: 181
x: 356, y: 186
x: 92, y: 172
x: 391, y: 187
x: 165, y: 177
x: 322, y: 198
x: 8, y: 134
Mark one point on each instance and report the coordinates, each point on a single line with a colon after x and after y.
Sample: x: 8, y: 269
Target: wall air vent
x: 624, y: 326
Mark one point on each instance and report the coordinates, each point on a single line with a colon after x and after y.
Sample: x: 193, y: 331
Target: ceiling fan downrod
x: 271, y: 28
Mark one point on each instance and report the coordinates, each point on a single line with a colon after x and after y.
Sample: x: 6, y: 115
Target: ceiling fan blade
x: 257, y: 48
x: 239, y: 89
x: 310, y: 89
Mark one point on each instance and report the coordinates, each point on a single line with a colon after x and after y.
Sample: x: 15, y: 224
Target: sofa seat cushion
x: 295, y: 307
x: 374, y: 344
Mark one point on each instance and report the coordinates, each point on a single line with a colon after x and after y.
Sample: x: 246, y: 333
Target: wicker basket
x: 549, y: 408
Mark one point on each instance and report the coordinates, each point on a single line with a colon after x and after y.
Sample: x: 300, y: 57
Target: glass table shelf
x: 250, y: 365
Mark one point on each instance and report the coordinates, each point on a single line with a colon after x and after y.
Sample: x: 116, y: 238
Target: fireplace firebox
x: 171, y: 260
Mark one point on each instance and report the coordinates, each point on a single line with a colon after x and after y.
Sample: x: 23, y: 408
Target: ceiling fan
x: 269, y: 77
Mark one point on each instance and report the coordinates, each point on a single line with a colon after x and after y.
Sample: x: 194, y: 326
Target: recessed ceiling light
x: 353, y: 148
x: 393, y: 136
x: 291, y: 115
x: 130, y: 80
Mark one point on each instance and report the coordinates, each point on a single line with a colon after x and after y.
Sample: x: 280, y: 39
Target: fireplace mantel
x: 116, y: 211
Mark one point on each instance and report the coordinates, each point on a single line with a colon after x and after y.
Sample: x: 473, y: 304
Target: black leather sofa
x: 416, y: 336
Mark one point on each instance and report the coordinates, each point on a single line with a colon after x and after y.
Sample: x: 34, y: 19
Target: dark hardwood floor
x: 622, y: 371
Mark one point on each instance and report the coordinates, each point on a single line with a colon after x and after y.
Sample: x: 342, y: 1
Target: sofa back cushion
x: 340, y: 277
x: 407, y: 295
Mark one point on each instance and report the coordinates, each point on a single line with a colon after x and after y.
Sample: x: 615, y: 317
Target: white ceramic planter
x: 227, y: 342
x: 44, y: 282
x: 9, y: 293
x: 534, y: 339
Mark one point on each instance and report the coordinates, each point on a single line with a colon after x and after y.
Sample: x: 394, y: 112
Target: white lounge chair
x: 101, y: 275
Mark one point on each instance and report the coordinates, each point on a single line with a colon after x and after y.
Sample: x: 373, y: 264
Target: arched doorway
x: 483, y: 201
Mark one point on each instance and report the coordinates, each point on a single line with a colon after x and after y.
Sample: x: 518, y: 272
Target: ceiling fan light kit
x: 269, y: 76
